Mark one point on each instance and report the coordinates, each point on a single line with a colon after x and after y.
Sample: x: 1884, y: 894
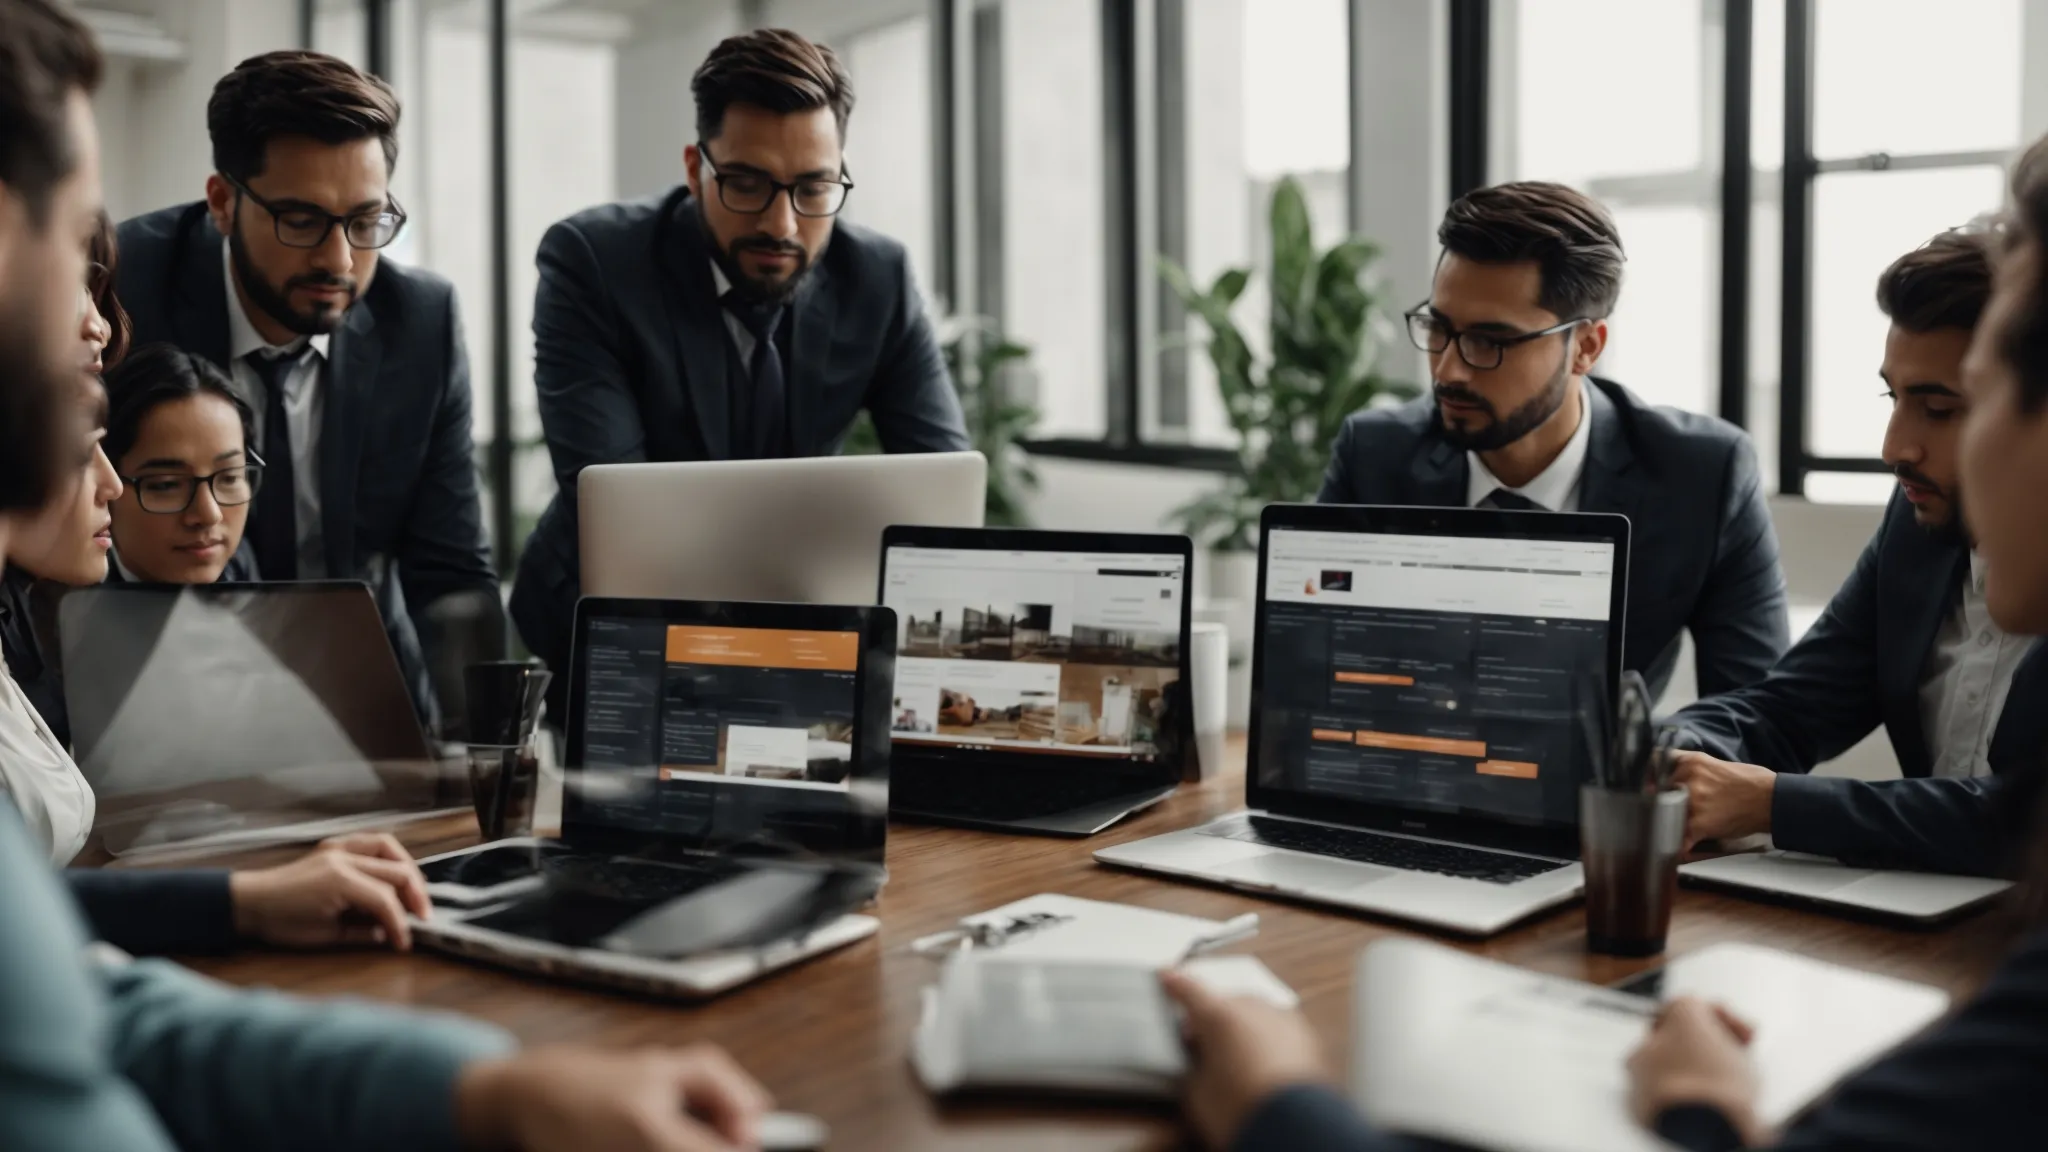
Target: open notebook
x: 1480, y: 1053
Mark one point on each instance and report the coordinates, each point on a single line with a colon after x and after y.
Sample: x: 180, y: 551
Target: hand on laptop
x: 351, y: 890
x: 1240, y: 1051
x: 1725, y: 800
x: 1697, y: 1053
x: 570, y: 1099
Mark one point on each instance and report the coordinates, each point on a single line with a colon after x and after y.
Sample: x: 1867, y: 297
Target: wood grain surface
x: 830, y: 1037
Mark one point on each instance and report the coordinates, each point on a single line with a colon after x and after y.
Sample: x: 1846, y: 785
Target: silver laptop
x: 805, y: 531
x: 1830, y: 885
x: 221, y: 716
x: 724, y: 808
x: 1413, y: 751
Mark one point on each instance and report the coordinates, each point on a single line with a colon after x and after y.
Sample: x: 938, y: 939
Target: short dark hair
x: 2026, y: 339
x: 158, y: 374
x: 1943, y: 283
x: 45, y: 56
x: 1564, y: 231
x: 296, y: 93
x: 774, y: 69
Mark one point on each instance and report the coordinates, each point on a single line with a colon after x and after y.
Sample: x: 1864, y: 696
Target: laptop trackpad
x: 1302, y: 873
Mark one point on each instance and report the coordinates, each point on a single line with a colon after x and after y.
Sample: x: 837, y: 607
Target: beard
x: 1499, y: 431
x: 34, y: 388
x: 751, y: 288
x: 275, y: 302
x: 1950, y: 528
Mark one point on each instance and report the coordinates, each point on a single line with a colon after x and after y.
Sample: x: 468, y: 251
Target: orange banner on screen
x: 764, y: 648
x: 1331, y: 735
x: 1518, y: 769
x: 1435, y: 744
x: 1375, y: 678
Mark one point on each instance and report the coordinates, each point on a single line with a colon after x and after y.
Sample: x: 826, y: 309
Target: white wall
x: 657, y: 117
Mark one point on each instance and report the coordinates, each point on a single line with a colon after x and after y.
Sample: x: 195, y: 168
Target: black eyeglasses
x: 301, y: 225
x: 169, y: 494
x: 1482, y: 350
x: 752, y: 194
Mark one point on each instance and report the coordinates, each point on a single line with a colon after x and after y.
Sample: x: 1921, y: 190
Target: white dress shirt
x: 1962, y: 692
x: 1556, y: 488
x: 40, y: 777
x: 302, y: 405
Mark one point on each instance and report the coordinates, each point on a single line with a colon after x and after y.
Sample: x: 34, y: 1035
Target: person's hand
x: 1240, y: 1052
x: 1724, y: 800
x: 351, y: 890
x: 1697, y: 1053
x: 569, y: 1099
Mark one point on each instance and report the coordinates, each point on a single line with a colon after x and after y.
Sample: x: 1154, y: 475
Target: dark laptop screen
x: 1434, y: 673
x: 1071, y: 653
x: 696, y: 726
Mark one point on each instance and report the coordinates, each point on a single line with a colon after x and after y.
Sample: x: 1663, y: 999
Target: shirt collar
x: 1552, y: 488
x: 1976, y: 572
x: 242, y: 335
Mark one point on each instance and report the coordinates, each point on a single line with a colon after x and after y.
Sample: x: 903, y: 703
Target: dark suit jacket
x: 151, y: 912
x: 398, y: 485
x: 630, y: 360
x: 1703, y: 555
x: 1859, y: 667
x: 1973, y: 1081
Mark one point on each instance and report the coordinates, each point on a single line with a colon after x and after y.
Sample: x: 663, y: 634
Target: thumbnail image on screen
x: 1436, y: 673
x: 754, y: 705
x: 1034, y: 651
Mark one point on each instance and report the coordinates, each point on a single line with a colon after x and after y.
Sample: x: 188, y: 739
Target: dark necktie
x: 760, y: 437
x: 276, y: 529
x: 1508, y: 501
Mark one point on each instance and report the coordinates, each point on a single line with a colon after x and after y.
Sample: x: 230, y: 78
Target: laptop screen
x: 1063, y: 652
x: 1434, y: 673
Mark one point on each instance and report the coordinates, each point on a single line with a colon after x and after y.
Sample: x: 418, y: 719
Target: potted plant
x: 986, y: 369
x: 1287, y: 407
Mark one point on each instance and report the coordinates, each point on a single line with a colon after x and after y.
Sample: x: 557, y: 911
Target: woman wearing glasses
x: 179, y: 438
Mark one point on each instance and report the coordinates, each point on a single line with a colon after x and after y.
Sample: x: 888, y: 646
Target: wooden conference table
x: 831, y: 1037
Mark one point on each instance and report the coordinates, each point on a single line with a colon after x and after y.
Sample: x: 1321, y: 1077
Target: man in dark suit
x: 355, y: 369
x: 1907, y: 643
x: 728, y: 319
x: 1515, y: 322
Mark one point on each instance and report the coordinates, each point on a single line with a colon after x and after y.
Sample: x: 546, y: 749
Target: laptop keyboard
x: 1389, y: 851
x: 629, y: 881
x: 984, y: 795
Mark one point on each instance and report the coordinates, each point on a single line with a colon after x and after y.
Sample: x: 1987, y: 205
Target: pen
x: 1229, y: 932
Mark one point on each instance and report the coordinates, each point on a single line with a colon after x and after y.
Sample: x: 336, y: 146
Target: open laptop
x: 222, y: 716
x: 724, y: 803
x: 1923, y: 898
x: 1413, y: 751
x: 1041, y: 677
x: 807, y: 530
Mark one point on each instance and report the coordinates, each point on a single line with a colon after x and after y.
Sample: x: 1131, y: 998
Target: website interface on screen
x: 1034, y: 651
x: 686, y: 704
x: 1436, y: 673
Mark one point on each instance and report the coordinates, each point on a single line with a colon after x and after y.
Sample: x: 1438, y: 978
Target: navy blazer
x: 1703, y: 555
x: 630, y: 360
x: 1971, y: 1082
x: 1859, y: 667
x: 399, y: 502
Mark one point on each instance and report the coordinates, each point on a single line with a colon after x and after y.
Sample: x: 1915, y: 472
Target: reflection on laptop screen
x: 688, y: 703
x: 1034, y: 651
x: 1433, y: 673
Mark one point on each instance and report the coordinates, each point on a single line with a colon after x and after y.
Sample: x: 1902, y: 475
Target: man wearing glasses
x: 354, y: 368
x: 733, y: 318
x: 1515, y: 322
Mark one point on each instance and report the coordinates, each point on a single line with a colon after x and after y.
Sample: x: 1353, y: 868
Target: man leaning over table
x: 99, y: 1053
x: 1907, y: 642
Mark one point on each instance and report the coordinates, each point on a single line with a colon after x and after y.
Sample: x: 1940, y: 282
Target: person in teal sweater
x: 103, y: 1053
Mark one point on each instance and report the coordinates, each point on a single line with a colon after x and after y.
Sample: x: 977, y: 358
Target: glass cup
x: 502, y: 718
x: 1630, y: 843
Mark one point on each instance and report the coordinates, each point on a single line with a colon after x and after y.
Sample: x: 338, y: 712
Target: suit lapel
x: 199, y: 313
x: 1605, y: 486
x: 698, y: 321
x: 1438, y: 473
x: 809, y: 344
x: 353, y: 359
x: 1938, y: 590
